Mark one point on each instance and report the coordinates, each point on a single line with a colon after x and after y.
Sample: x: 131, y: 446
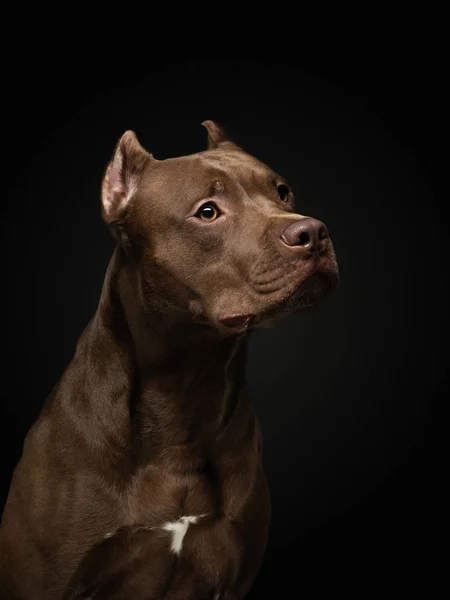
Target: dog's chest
x: 158, y: 495
x: 183, y: 509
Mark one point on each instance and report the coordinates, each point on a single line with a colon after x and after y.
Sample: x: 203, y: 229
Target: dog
x: 142, y: 476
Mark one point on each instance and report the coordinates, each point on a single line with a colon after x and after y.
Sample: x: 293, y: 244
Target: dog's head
x: 214, y: 236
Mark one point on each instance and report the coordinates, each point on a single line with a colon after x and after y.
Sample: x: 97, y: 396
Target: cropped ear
x: 216, y: 134
x: 122, y: 176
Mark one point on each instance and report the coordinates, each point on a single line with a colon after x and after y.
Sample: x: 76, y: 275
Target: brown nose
x: 309, y: 235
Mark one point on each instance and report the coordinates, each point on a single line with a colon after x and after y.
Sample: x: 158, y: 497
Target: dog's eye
x: 283, y: 192
x: 208, y: 212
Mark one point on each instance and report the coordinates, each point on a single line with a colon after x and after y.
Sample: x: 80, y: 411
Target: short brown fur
x: 151, y: 421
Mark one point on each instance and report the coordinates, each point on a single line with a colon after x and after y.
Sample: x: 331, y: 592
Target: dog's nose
x: 308, y: 235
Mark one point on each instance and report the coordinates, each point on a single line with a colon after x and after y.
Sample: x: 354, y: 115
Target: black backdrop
x: 344, y: 393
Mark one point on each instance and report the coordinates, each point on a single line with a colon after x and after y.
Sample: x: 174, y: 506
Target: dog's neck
x: 181, y: 383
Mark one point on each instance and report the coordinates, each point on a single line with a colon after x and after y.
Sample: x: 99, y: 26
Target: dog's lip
x: 315, y: 287
x: 236, y: 322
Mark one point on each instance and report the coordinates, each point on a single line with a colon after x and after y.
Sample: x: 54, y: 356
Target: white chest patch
x: 179, y: 529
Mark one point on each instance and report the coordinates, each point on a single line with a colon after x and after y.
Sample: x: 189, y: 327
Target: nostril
x: 307, y: 234
x: 304, y: 239
x: 323, y: 233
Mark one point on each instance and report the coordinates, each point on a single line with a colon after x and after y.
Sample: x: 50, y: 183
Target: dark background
x: 344, y: 392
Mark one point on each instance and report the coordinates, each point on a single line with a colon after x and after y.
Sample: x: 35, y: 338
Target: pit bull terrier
x: 142, y: 477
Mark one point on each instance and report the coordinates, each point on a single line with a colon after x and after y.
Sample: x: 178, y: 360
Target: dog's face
x: 215, y: 236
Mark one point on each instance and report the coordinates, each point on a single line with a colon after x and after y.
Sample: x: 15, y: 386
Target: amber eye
x: 208, y: 212
x: 283, y: 192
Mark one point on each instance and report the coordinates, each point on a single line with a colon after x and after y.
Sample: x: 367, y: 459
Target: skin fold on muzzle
x: 142, y: 477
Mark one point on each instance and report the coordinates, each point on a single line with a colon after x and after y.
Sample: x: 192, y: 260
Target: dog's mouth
x: 309, y: 293
x: 287, y: 292
x: 319, y: 284
x: 236, y: 323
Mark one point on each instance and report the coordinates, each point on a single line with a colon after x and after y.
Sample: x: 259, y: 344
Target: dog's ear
x: 216, y: 134
x: 122, y: 176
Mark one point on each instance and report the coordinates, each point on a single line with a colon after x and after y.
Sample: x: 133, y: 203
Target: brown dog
x: 142, y: 477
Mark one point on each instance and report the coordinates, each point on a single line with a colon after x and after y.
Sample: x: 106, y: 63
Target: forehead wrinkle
x: 251, y: 175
